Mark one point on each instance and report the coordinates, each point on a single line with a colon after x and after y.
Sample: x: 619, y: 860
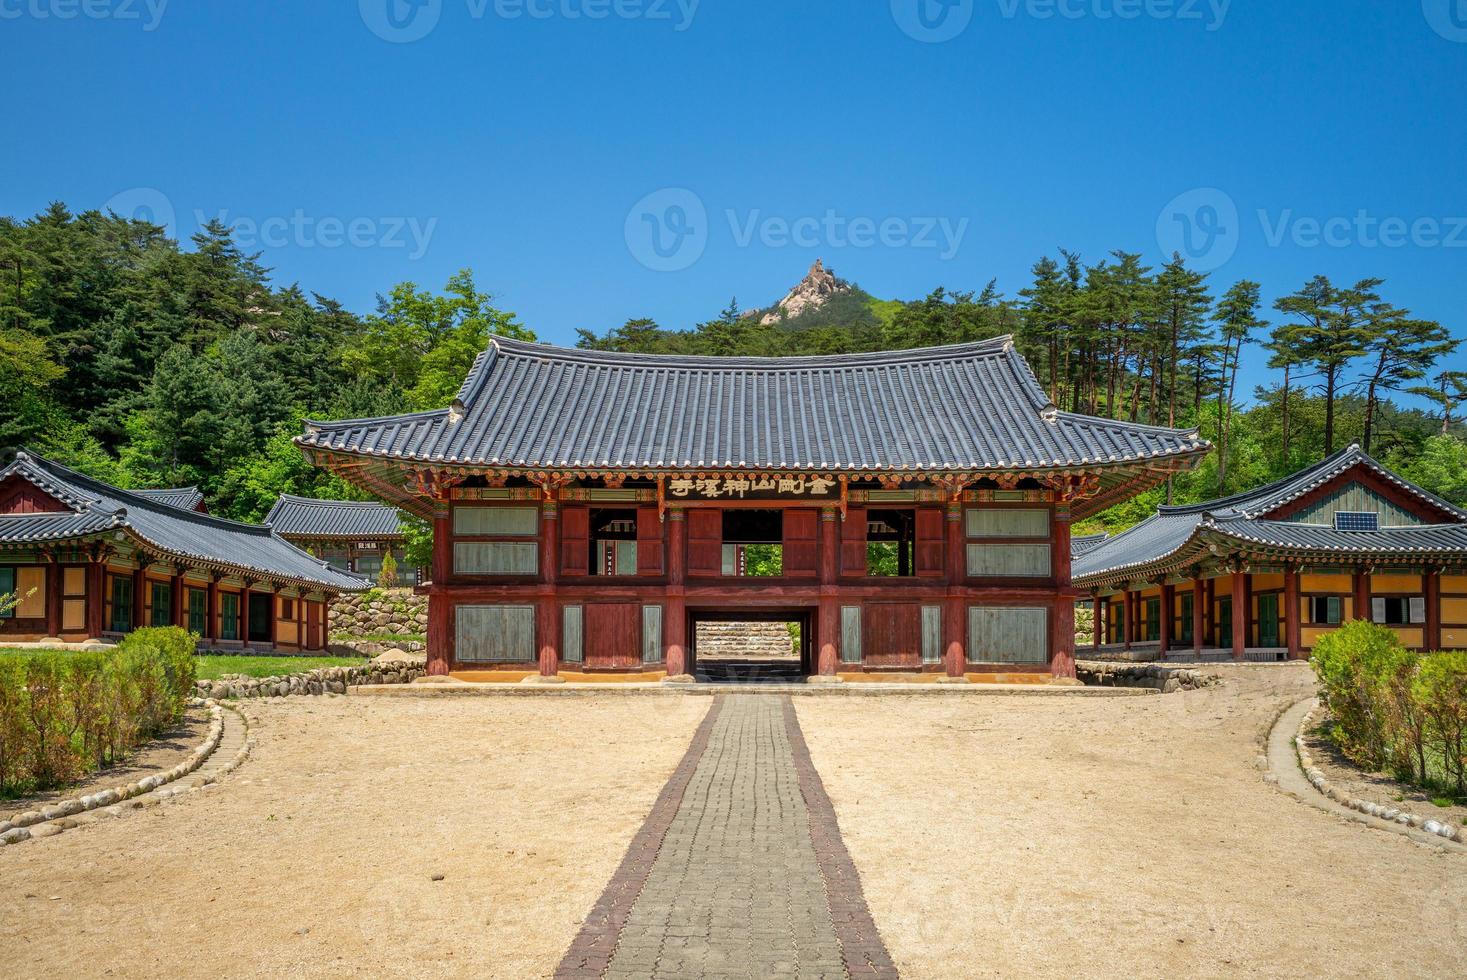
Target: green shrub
x: 62, y: 714
x: 1441, y: 690
x: 1353, y: 664
x: 387, y: 577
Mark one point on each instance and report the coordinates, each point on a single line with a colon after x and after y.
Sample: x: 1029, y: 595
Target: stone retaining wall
x: 322, y: 680
x: 744, y: 641
x: 378, y: 611
x: 1097, y: 673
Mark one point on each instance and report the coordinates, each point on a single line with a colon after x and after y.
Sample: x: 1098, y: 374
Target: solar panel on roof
x: 1356, y: 521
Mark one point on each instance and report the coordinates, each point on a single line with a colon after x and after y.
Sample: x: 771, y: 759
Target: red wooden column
x: 1211, y: 615
x: 139, y: 589
x: 1362, y: 595
x: 300, y: 619
x: 95, y: 583
x: 1433, y: 584
x: 1242, y: 613
x: 827, y: 630
x: 244, y: 614
x: 675, y: 612
x: 1127, y: 624
x: 274, y: 615
x: 213, y: 626
x: 1199, y: 620
x: 52, y: 593
x: 954, y: 625
x: 176, y: 592
x: 1294, y: 635
x: 440, y: 611
x: 1062, y: 643
x: 1168, y: 605
x: 547, y: 610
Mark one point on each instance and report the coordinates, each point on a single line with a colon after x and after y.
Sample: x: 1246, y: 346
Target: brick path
x: 739, y: 870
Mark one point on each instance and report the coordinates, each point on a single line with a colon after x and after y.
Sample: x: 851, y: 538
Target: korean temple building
x: 910, y: 511
x: 349, y: 535
x: 91, y: 562
x: 1262, y: 575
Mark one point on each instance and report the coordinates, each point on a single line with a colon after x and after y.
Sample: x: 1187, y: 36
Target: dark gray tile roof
x: 1086, y: 544
x: 307, y: 517
x: 964, y: 408
x: 162, y: 529
x: 1175, y: 536
x: 186, y: 498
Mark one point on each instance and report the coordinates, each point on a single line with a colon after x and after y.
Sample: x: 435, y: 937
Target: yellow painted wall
x: 1310, y: 635
x: 1454, y: 610
x: 1454, y: 583
x: 1383, y: 584
x: 1454, y: 639
x: 1410, y: 636
x: 1343, y: 584
x: 1268, y: 583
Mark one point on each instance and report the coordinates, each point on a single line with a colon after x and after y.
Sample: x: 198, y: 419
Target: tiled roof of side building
x: 185, y: 498
x: 969, y: 407
x: 307, y: 517
x: 162, y: 529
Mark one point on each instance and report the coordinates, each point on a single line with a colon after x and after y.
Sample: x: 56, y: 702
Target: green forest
x: 146, y: 362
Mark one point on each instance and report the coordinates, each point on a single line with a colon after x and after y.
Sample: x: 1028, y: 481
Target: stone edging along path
x: 227, y: 726
x: 1292, y: 769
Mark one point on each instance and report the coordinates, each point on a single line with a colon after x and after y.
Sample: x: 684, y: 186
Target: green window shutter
x: 198, y: 611
x: 7, y: 587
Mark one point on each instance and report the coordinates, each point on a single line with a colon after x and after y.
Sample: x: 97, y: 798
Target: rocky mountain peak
x: 813, y: 292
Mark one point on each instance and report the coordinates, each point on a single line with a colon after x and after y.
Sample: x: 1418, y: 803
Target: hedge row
x: 1395, y: 710
x: 63, y: 714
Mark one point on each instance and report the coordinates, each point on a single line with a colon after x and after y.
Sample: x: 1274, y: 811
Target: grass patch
x: 381, y: 638
x: 213, y: 667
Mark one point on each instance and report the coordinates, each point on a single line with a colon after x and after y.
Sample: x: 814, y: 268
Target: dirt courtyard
x: 994, y: 836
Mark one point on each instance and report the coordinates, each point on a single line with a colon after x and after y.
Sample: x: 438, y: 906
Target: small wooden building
x: 910, y: 510
x: 1262, y: 575
x: 92, y: 562
x: 351, y: 535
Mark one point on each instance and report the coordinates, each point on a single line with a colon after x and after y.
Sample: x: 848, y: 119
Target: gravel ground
x: 994, y: 836
x: 1129, y: 837
x: 316, y: 857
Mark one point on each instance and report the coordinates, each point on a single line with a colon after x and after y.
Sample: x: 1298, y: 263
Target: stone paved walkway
x: 739, y: 870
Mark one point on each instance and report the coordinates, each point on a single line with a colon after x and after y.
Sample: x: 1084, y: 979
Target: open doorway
x: 751, y: 647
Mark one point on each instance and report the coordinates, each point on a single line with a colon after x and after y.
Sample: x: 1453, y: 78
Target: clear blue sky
x: 524, y: 133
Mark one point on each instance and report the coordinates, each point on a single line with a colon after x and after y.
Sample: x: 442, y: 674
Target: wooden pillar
x: 675, y: 613
x: 176, y: 594
x: 1097, y: 608
x: 1292, y: 632
x: 954, y: 608
x: 139, y: 589
x: 300, y: 620
x: 1128, y: 628
x: 440, y: 610
x: 1168, y: 604
x: 1199, y: 620
x: 1432, y: 583
x: 96, y: 582
x: 827, y: 630
x: 1242, y: 609
x: 243, y: 629
x: 52, y: 593
x: 274, y: 615
x: 1362, y: 595
x: 1062, y: 642
x: 213, y: 604
x: 1211, y: 613
x: 548, y: 622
